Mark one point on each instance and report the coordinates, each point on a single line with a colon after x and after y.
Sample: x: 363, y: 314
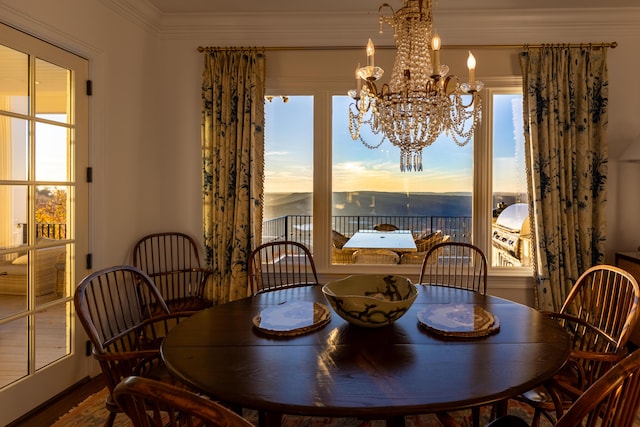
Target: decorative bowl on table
x: 371, y: 300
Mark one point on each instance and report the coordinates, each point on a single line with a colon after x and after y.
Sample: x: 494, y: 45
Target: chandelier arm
x: 382, y: 18
x: 388, y: 6
x: 473, y: 100
x: 371, y: 87
x: 454, y: 81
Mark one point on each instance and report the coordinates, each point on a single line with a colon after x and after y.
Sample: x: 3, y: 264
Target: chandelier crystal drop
x: 421, y: 101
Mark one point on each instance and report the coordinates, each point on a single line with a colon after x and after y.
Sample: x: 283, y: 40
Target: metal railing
x: 51, y: 231
x: 299, y: 228
x: 56, y: 231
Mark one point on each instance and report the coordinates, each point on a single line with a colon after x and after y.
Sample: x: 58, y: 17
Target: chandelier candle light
x: 421, y: 101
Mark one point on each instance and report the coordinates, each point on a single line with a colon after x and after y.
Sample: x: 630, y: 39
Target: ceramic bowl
x: 370, y: 300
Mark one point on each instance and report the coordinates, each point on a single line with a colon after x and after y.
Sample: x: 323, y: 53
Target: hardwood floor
x: 50, y: 411
x: 52, y: 342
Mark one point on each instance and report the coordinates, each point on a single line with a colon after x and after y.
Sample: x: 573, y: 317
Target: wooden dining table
x: 341, y: 370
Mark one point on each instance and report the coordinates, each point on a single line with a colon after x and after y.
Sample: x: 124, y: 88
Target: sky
x: 447, y: 166
x: 289, y: 153
x: 51, y: 151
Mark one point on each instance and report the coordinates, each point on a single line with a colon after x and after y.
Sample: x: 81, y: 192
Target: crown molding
x: 547, y: 26
x: 139, y: 12
x: 354, y: 28
x: 51, y: 33
x: 316, y: 29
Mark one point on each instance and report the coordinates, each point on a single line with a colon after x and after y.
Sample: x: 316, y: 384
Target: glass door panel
x: 14, y: 148
x: 13, y: 284
x: 52, y: 150
x: 52, y: 90
x: 52, y: 334
x: 14, y: 82
x: 14, y: 351
x: 43, y: 139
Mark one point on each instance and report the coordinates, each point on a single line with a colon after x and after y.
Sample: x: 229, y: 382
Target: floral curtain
x: 232, y: 165
x: 565, y: 114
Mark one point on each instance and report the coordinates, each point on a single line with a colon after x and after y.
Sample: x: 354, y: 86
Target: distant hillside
x: 380, y: 203
x: 401, y: 204
x: 282, y: 204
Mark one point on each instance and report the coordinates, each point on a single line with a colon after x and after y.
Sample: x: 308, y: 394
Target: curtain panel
x: 233, y: 89
x: 565, y: 97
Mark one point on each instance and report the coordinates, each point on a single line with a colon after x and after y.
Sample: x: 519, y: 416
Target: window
x: 511, y: 233
x: 288, y: 184
x: 369, y: 188
x: 458, y: 195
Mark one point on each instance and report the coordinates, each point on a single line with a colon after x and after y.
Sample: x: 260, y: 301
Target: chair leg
x: 535, y: 421
x: 475, y: 416
x: 395, y: 421
x: 110, y: 419
x: 233, y: 407
x: 269, y: 419
x: 447, y: 420
x: 499, y: 409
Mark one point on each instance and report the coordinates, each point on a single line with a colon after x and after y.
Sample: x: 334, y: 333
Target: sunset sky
x: 447, y: 167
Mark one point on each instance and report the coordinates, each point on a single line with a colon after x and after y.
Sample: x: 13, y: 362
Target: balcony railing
x: 56, y: 231
x: 299, y: 227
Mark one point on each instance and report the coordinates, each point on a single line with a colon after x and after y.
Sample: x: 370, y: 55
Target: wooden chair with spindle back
x: 172, y: 261
x: 281, y: 264
x: 457, y: 265
x: 611, y: 401
x: 150, y: 403
x: 600, y: 313
x: 125, y: 318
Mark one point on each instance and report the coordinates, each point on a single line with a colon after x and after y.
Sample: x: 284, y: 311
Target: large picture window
x: 369, y: 188
x: 321, y: 186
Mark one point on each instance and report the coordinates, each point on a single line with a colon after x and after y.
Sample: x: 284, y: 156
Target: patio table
x: 398, y: 241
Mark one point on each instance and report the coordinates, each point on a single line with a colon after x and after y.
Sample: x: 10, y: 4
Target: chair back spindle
x: 172, y: 261
x: 281, y: 264
x: 455, y: 264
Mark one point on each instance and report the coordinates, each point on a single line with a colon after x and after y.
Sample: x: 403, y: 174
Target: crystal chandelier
x: 421, y: 101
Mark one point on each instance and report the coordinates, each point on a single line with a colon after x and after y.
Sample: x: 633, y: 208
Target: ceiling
x: 345, y: 23
x: 365, y: 6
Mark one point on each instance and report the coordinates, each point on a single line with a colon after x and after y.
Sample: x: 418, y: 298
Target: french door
x: 43, y: 219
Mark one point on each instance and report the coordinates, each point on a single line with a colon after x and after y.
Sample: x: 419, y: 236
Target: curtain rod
x: 612, y: 45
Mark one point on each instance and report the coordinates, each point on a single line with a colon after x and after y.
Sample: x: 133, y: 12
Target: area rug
x: 92, y: 413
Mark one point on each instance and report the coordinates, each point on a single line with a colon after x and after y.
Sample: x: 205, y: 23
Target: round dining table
x: 342, y: 370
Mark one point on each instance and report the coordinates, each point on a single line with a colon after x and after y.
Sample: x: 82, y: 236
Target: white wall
x: 506, y: 28
x: 132, y: 167
x: 146, y: 108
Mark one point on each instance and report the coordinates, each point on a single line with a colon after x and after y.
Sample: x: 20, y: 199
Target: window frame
x: 484, y: 159
x: 322, y: 84
x: 43, y: 382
